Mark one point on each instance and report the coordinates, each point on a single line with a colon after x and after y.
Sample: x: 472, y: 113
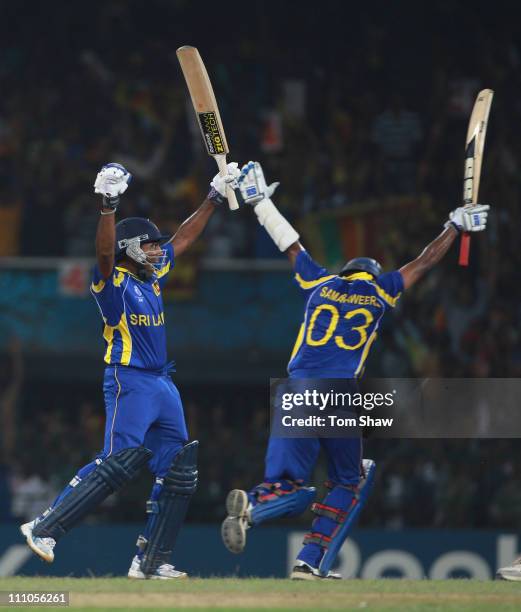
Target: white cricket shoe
x: 233, y: 529
x: 43, y: 547
x: 163, y: 572
x: 304, y: 571
x: 512, y: 572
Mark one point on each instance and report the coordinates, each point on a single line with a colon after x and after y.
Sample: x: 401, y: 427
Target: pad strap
x: 337, y: 515
x: 270, y: 490
x: 317, y: 538
x: 329, y: 484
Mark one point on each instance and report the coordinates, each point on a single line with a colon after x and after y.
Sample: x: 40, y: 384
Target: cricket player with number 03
x: 334, y: 341
x: 145, y: 423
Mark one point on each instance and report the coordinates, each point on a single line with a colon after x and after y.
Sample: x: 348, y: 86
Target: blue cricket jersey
x: 133, y: 316
x: 341, y: 319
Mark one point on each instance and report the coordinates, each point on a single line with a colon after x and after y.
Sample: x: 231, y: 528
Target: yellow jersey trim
x: 388, y: 299
x: 359, y: 276
x: 126, y: 340
x: 298, y: 342
x: 164, y: 270
x: 365, y: 352
x: 98, y: 287
x: 313, y: 283
x: 122, y: 275
x: 385, y: 296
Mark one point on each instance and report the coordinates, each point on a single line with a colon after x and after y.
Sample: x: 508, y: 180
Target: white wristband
x: 280, y: 230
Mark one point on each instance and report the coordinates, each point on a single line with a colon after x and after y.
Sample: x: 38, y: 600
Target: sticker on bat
x: 468, y: 177
x: 211, y: 133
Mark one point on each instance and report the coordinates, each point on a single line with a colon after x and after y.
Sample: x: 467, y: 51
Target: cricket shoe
x: 163, y: 572
x: 43, y: 547
x: 512, y: 572
x: 233, y: 529
x: 304, y: 571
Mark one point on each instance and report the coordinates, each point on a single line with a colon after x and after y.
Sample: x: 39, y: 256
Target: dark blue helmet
x: 362, y: 264
x: 136, y: 227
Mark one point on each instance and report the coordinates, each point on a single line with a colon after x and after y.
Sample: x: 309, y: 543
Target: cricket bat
x: 206, y: 110
x: 474, y: 146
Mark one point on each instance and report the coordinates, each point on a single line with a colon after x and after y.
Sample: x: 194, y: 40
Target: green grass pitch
x: 270, y: 594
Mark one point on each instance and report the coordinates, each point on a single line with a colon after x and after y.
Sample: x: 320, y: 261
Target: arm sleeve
x: 162, y: 275
x: 390, y: 287
x: 108, y: 293
x: 309, y: 274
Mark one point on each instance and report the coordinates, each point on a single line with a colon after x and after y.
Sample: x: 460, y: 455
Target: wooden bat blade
x: 475, y: 144
x: 203, y: 100
x: 206, y: 111
x: 474, y: 147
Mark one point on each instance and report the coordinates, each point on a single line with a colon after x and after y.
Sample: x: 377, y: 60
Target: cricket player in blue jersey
x: 145, y: 422
x: 342, y: 314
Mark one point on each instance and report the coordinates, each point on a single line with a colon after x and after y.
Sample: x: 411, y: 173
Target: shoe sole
x: 183, y: 577
x: 233, y: 529
x: 237, y: 503
x: 508, y: 578
x: 26, y: 531
x: 299, y: 575
x: 233, y: 533
x: 303, y: 576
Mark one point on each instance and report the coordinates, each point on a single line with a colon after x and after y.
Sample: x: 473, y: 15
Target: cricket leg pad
x: 109, y: 476
x: 274, y: 500
x: 169, y: 510
x: 335, y: 519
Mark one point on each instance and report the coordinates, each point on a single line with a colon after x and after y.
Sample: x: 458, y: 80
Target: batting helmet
x: 362, y: 264
x: 136, y: 227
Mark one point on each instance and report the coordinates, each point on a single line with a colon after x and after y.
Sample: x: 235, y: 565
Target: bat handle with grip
x: 230, y: 193
x: 464, y: 249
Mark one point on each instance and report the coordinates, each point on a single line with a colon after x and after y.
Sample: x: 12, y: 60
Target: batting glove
x: 253, y: 186
x: 217, y: 193
x: 112, y: 180
x: 469, y: 218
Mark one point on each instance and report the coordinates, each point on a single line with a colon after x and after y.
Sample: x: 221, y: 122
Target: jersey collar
x: 359, y: 276
x: 125, y: 271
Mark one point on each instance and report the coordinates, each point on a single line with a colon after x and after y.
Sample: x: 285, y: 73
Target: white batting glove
x: 218, y: 184
x: 112, y: 180
x: 469, y: 218
x: 252, y: 184
x: 255, y: 191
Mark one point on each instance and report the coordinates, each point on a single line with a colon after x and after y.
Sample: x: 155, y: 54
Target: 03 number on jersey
x: 333, y: 324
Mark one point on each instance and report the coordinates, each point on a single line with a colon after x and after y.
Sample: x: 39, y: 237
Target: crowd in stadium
x: 336, y: 133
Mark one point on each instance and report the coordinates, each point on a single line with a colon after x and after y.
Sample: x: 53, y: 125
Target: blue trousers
x: 295, y: 458
x: 142, y: 408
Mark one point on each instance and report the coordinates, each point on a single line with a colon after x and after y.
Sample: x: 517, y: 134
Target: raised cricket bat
x: 474, y: 146
x: 206, y: 110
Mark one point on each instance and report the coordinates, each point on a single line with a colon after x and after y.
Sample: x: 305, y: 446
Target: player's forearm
x: 105, y: 243
x: 293, y: 252
x: 430, y: 256
x: 192, y: 228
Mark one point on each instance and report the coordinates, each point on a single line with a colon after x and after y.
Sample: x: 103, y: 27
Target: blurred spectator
x: 397, y: 134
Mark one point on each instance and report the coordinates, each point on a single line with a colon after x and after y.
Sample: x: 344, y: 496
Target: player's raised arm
x: 256, y: 192
x: 111, y: 182
x: 463, y: 219
x: 192, y: 227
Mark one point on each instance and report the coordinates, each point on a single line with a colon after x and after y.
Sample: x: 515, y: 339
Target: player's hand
x: 469, y: 218
x: 252, y: 184
x: 112, y: 180
x: 218, y: 184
